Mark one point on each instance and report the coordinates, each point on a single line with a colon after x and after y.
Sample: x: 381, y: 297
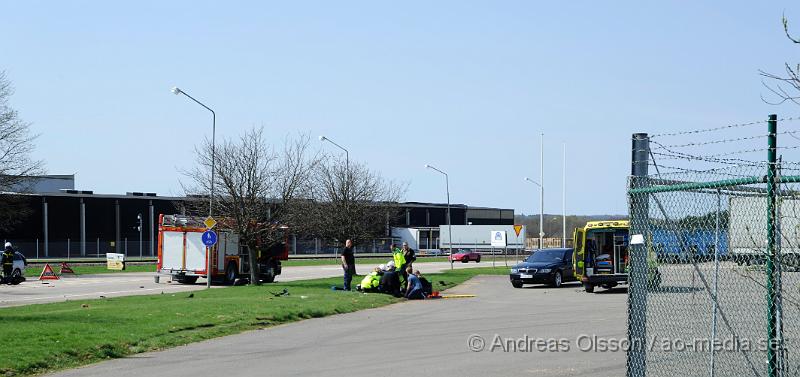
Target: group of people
x: 386, y: 278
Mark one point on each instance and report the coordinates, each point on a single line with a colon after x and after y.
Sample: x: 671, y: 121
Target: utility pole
x: 564, y: 197
x: 541, y: 193
x: 177, y: 91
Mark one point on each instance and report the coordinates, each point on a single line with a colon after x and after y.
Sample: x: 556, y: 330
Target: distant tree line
x: 552, y: 223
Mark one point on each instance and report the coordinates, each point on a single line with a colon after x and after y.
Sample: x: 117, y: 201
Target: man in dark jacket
x: 7, y: 261
x: 409, y: 257
x: 390, y: 281
x: 348, y: 264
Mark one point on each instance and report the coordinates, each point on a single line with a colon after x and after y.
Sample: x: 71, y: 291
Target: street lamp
x: 177, y: 91
x: 323, y: 139
x: 449, y: 226
x: 347, y: 182
x: 541, y: 211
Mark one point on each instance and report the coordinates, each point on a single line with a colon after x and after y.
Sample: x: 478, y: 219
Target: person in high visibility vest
x: 399, y: 261
x: 371, y: 282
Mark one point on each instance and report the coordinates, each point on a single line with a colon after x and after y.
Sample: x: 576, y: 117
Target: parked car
x: 433, y: 253
x: 546, y: 266
x: 465, y: 256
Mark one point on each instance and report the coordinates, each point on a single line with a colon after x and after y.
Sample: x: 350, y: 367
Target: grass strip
x: 55, y: 336
x: 151, y: 267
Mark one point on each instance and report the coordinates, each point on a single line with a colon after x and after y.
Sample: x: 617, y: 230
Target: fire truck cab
x: 182, y: 254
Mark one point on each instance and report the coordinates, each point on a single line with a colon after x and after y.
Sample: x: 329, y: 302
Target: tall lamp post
x: 449, y: 225
x: 323, y: 139
x: 541, y: 212
x: 177, y: 91
x: 347, y: 182
x: 564, y: 197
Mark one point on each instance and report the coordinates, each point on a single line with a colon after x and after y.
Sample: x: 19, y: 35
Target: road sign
x: 517, y: 229
x: 115, y: 261
x: 48, y: 273
x: 498, y: 238
x: 66, y: 269
x: 210, y: 222
x: 209, y: 238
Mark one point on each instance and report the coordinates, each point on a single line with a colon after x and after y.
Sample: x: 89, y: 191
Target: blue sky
x: 464, y: 85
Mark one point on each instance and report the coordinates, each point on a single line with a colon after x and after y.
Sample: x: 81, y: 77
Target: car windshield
x: 546, y: 256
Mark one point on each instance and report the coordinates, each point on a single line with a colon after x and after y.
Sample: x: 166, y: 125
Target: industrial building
x: 65, y: 222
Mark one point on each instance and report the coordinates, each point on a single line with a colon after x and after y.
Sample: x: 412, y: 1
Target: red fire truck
x: 182, y: 254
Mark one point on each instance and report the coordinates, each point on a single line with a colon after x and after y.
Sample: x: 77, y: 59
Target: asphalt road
x: 419, y: 338
x: 142, y: 283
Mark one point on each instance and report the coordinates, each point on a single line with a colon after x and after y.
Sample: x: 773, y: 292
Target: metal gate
x: 714, y: 282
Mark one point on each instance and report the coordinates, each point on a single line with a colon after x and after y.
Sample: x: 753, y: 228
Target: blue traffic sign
x: 209, y: 238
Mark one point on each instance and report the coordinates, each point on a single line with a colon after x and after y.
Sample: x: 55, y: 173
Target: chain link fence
x: 715, y: 266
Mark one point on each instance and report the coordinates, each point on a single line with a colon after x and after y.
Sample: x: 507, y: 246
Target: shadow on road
x: 612, y: 291
x: 548, y: 286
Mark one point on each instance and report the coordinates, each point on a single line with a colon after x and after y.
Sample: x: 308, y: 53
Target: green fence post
x: 772, y: 330
x: 637, y: 287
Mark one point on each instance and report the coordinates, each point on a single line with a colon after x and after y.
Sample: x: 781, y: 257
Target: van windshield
x: 546, y: 256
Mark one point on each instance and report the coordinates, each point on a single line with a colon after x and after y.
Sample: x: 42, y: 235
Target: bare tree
x: 349, y: 201
x: 16, y: 163
x: 255, y: 188
x: 785, y: 87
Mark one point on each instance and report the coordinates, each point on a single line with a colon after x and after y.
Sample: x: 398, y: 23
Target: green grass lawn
x: 101, y: 269
x: 47, y: 337
x: 34, y: 270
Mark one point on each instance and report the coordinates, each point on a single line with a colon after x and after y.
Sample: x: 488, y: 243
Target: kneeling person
x: 371, y: 282
x: 390, y: 281
x: 414, y: 289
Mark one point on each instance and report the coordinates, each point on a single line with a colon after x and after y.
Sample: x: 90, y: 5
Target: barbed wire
x: 744, y: 138
x: 708, y: 129
x: 681, y: 170
x: 726, y: 161
x: 720, y: 128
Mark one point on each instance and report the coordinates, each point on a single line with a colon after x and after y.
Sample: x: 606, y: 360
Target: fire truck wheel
x: 188, y: 280
x: 230, y: 273
x: 269, y: 275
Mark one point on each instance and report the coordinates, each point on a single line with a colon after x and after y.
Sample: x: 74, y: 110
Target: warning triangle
x: 47, y: 273
x: 66, y: 269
